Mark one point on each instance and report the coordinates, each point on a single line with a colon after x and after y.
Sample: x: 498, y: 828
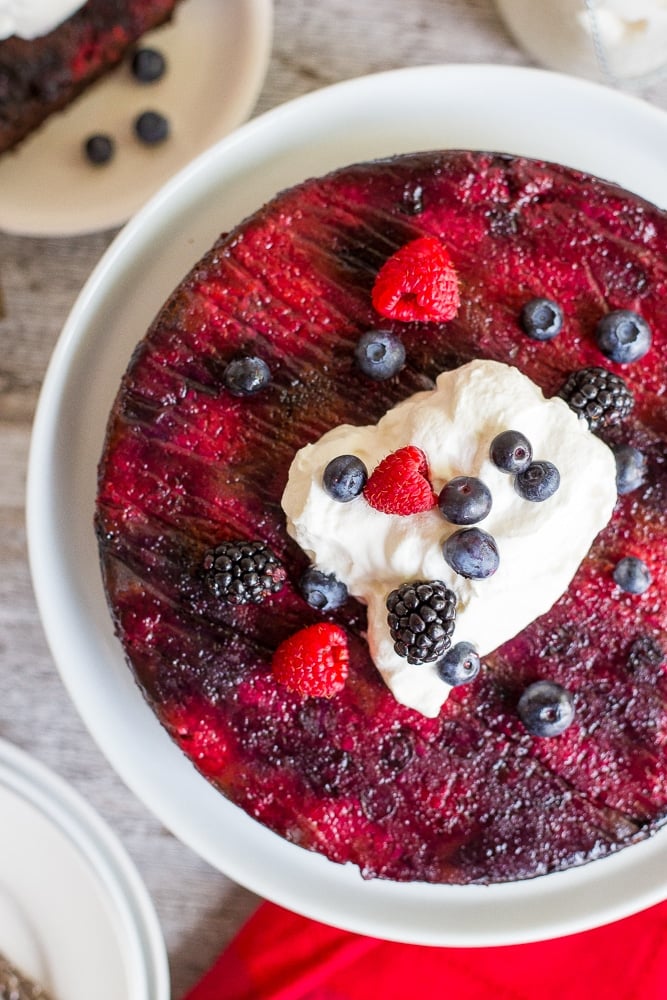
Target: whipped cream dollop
x: 540, y: 544
x: 32, y: 18
x: 623, y: 38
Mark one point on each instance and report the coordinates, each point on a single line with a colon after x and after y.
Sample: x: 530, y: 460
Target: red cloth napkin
x: 281, y: 956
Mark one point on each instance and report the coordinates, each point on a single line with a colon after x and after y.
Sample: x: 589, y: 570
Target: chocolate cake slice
x: 42, y: 75
x: 197, y: 457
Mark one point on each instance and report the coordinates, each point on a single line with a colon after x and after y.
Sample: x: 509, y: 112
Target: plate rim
x: 67, y: 344
x: 110, y: 865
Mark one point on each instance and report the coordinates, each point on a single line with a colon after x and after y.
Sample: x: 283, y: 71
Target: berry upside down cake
x: 382, y: 517
x: 43, y: 74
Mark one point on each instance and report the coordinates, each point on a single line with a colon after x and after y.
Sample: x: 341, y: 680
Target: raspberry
x: 400, y: 484
x: 418, y: 283
x: 313, y: 662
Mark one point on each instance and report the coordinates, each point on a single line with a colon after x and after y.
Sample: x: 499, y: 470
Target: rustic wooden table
x: 315, y: 44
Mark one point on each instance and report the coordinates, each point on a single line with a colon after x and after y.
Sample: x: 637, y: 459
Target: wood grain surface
x: 315, y: 43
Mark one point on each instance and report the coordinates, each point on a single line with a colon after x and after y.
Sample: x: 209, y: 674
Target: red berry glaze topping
x: 400, y: 483
x: 313, y: 662
x: 419, y: 283
x: 470, y: 796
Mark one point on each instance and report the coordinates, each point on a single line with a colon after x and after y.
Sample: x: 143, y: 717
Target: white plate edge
x: 105, y: 856
x: 125, y: 239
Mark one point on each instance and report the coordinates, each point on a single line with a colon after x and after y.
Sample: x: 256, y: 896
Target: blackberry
x: 240, y: 572
x: 645, y: 655
x: 598, y: 395
x: 421, y: 620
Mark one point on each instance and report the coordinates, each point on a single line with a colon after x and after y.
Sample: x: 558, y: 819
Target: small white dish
x: 508, y: 109
x: 74, y: 914
x: 217, y: 54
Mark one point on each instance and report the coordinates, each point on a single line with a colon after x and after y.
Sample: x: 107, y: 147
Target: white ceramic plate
x: 509, y: 109
x: 74, y: 915
x: 217, y: 52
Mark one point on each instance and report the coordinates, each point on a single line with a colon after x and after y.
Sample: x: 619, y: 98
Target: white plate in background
x: 74, y: 914
x: 508, y: 109
x: 217, y: 52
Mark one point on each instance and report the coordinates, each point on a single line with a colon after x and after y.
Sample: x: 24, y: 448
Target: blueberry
x: 465, y: 500
x: 511, y: 452
x: 379, y: 354
x: 99, y: 149
x: 151, y: 127
x: 541, y: 319
x: 546, y: 708
x: 459, y: 665
x: 623, y: 336
x: 632, y: 575
x: 148, y: 65
x: 472, y: 553
x: 538, y: 482
x: 630, y: 468
x: 246, y: 376
x: 321, y: 590
x: 344, y: 477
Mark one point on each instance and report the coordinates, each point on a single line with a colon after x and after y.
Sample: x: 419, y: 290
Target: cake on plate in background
x: 51, y: 53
